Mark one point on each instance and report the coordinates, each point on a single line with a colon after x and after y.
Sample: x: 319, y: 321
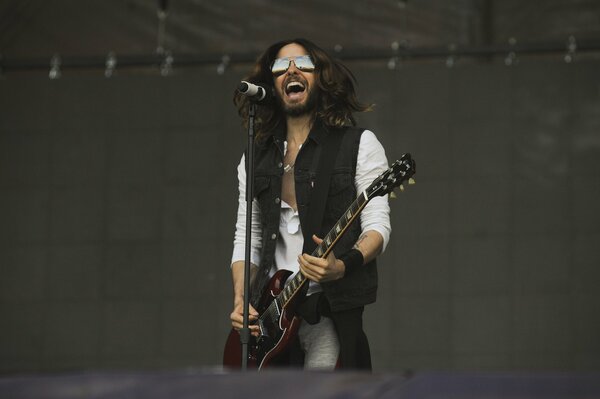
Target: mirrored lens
x: 304, y: 63
x: 280, y: 65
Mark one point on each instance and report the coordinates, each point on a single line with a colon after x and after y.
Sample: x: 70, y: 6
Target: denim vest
x: 355, y: 289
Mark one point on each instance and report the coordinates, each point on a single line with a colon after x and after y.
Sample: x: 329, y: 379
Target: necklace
x: 289, y: 166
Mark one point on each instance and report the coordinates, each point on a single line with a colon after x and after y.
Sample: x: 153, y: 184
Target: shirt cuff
x: 239, y: 254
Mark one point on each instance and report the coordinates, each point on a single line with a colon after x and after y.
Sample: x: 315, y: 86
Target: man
x: 314, y: 99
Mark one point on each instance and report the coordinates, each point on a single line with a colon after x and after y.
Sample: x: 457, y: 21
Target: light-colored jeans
x: 320, y: 344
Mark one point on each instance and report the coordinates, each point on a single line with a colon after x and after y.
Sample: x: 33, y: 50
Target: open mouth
x: 294, y: 89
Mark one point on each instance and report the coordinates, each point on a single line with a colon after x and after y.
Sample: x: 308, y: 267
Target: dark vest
x: 355, y: 289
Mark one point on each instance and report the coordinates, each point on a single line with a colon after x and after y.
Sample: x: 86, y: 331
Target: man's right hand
x: 237, y: 317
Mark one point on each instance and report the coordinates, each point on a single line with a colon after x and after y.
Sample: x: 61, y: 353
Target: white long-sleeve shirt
x: 371, y: 162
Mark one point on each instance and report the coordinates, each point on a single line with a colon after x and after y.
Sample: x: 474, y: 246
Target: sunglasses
x: 302, y: 62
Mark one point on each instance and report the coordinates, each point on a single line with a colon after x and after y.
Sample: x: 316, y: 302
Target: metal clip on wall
x: 111, y: 64
x: 394, y: 61
x: 571, y: 49
x: 55, y: 63
x: 222, y: 67
x: 511, y: 58
x: 452, y: 58
x: 166, y: 66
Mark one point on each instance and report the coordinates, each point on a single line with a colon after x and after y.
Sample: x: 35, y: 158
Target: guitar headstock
x: 402, y: 170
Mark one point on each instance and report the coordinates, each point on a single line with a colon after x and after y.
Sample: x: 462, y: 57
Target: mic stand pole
x: 245, y: 331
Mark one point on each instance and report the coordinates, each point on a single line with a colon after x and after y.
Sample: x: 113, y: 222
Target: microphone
x: 254, y: 92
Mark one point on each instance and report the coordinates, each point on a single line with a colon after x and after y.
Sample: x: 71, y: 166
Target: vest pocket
x: 340, y: 182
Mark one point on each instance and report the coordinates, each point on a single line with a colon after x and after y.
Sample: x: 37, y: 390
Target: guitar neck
x: 323, y: 249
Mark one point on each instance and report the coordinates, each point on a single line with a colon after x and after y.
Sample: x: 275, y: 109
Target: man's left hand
x: 321, y: 269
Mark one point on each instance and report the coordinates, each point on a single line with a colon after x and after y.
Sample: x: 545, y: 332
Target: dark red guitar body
x: 270, y: 348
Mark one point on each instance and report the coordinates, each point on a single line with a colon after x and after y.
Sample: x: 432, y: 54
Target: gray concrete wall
x: 118, y: 200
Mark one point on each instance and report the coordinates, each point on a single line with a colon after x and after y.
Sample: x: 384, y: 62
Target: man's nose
x: 292, y: 68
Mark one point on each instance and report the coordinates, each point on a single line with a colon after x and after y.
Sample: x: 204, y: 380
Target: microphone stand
x: 245, y: 331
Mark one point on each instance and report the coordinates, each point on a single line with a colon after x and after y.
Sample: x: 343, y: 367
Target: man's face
x: 295, y: 89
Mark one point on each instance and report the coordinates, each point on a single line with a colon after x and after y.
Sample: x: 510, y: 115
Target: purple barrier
x: 291, y: 384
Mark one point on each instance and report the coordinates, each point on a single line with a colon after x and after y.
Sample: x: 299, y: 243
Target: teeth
x: 293, y: 84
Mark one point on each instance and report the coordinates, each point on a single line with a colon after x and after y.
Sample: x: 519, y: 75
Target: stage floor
x: 290, y: 384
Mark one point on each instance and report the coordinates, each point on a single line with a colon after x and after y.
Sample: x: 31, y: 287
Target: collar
x: 317, y: 133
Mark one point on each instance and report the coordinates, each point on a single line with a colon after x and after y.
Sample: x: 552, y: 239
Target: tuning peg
x: 401, y: 187
x: 393, y: 195
x: 411, y: 181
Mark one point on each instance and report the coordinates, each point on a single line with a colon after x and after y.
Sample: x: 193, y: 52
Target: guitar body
x: 278, y: 329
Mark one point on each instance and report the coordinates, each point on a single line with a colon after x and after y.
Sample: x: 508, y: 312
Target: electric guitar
x: 278, y: 323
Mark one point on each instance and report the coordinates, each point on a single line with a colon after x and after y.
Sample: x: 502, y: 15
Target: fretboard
x: 293, y: 286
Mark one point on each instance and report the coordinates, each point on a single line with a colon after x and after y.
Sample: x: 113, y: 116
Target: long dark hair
x: 337, y: 98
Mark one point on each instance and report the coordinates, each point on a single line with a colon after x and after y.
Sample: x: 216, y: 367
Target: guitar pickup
x: 277, y: 308
x: 262, y: 329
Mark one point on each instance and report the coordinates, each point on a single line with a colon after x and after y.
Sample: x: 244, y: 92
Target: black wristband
x: 352, y: 259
